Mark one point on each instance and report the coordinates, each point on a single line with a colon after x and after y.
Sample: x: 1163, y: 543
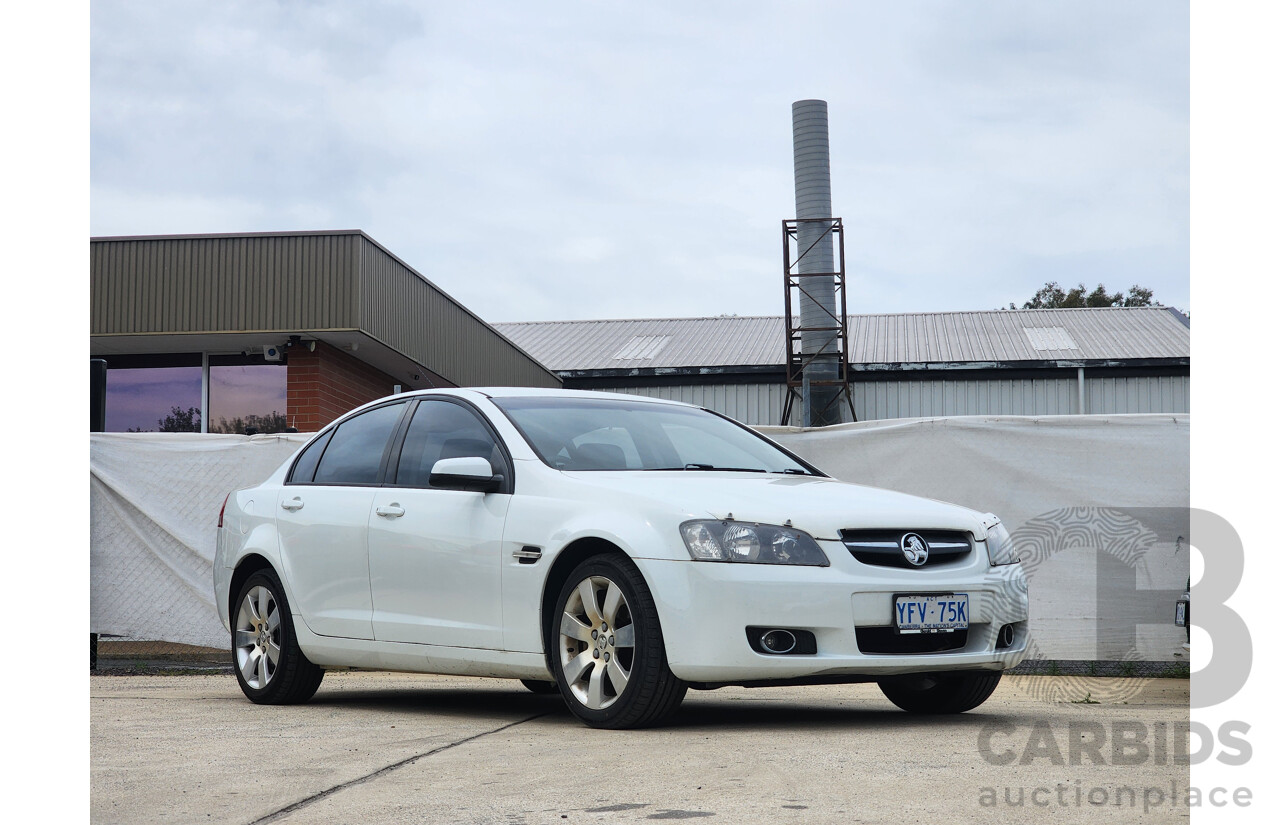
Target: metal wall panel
x: 872, y: 400
x: 1021, y: 396
x: 223, y: 284
x: 1138, y: 394
x: 407, y: 312
x: 921, y: 399
x: 747, y: 403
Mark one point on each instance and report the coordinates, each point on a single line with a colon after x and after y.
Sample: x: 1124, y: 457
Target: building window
x: 163, y: 393
x: 153, y: 394
x: 245, y: 395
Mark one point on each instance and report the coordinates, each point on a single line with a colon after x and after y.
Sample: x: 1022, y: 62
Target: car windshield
x: 611, y: 434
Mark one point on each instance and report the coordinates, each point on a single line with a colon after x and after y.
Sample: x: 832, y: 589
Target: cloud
x: 599, y: 160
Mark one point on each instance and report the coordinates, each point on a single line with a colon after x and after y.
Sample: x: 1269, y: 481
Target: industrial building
x: 268, y: 331
x: 1000, y: 362
x: 272, y: 331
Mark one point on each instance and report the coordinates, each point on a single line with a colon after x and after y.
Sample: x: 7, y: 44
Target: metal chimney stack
x: 812, y: 153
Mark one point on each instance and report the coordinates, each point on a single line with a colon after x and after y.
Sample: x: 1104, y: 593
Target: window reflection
x: 153, y: 399
x: 161, y: 393
x: 247, y: 397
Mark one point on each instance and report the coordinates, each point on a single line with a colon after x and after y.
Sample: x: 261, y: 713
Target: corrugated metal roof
x: 1103, y: 334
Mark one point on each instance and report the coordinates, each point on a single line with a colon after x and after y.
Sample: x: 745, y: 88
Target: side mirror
x: 465, y: 473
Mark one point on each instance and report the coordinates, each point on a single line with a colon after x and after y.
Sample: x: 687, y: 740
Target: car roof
x: 542, y: 392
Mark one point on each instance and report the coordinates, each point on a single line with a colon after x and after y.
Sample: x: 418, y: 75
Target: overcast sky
x: 567, y: 160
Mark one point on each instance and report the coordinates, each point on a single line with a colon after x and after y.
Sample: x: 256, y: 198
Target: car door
x: 434, y: 554
x: 323, y: 520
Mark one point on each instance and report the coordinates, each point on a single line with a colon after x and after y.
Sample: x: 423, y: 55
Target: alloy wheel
x: 258, y: 637
x: 597, y: 642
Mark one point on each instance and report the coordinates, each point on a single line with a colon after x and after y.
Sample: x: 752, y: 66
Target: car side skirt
x: 329, y: 651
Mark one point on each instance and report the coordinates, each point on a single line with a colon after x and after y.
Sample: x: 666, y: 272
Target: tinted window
x: 304, y: 469
x: 164, y: 399
x: 439, y: 430
x: 246, y: 396
x: 355, y: 451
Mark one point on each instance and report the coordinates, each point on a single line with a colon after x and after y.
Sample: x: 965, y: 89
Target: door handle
x: 392, y: 510
x: 294, y: 503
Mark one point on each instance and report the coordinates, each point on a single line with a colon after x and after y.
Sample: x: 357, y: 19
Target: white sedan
x: 617, y: 549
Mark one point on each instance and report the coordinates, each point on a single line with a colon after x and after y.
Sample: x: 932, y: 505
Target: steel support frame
x: 837, y: 327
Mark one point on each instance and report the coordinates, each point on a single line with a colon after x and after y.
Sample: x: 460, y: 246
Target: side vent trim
x: 527, y: 554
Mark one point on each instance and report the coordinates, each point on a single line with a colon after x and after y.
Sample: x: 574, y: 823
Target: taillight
x: 223, y: 510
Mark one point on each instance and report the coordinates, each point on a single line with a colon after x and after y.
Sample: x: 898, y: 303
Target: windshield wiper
x: 794, y: 471
x: 695, y: 466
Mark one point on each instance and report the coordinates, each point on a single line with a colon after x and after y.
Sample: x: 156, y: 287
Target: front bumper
x: 706, y: 607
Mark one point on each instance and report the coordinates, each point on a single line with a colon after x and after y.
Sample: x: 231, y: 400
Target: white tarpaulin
x: 153, y: 512
x: 1099, y: 504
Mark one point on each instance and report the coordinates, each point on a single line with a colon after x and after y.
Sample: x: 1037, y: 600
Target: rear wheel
x: 609, y: 658
x: 954, y: 692
x: 269, y: 664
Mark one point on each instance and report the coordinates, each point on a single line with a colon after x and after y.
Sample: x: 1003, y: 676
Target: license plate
x: 937, y: 613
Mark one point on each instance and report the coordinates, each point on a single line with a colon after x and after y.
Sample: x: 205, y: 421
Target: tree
x: 180, y: 421
x: 1053, y: 296
x: 272, y: 422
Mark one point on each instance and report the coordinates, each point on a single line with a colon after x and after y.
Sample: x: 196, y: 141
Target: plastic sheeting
x: 153, y: 513
x: 1098, y: 504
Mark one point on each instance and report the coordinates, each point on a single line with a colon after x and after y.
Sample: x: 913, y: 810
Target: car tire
x: 270, y: 666
x: 936, y: 693
x: 607, y: 651
x: 540, y: 687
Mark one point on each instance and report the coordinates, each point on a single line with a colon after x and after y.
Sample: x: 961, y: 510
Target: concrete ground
x: 391, y: 748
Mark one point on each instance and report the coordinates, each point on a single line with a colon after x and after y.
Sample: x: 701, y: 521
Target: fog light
x: 781, y: 641
x: 778, y: 641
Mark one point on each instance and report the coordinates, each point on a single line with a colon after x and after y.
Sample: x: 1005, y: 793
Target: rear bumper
x: 705, y: 609
x: 222, y: 579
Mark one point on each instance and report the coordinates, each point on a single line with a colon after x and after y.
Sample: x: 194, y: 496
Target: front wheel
x: 954, y: 692
x: 608, y: 657
x: 270, y: 666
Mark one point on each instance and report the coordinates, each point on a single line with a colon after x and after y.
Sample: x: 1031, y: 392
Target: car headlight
x: 1000, y: 547
x: 714, y: 540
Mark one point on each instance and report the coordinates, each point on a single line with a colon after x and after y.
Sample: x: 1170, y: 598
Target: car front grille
x: 889, y: 641
x: 882, y: 547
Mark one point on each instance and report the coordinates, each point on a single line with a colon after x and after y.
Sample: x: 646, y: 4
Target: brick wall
x: 324, y: 384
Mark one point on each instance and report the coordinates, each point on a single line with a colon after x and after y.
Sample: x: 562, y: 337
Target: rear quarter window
x: 354, y: 454
x: 304, y: 469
